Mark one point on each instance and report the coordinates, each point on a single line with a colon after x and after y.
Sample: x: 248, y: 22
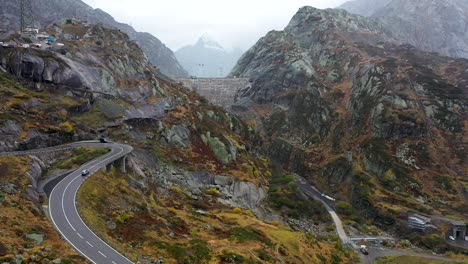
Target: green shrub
x: 212, y: 191
x: 123, y: 217
x: 245, y: 234
x: 444, y: 182
x: 197, y: 251
x: 286, y: 197
x: 344, y: 208
x: 263, y: 255
x: 229, y: 257
x: 81, y: 156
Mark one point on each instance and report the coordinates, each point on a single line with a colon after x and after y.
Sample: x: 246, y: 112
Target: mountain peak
x: 207, y: 41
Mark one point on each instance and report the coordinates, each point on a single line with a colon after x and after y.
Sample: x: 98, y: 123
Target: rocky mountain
x: 373, y: 122
x: 47, y: 12
x: 364, y: 7
x: 207, y: 58
x: 437, y: 26
x: 196, y: 190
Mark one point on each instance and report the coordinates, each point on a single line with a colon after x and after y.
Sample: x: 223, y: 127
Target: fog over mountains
x: 437, y: 26
x: 207, y: 58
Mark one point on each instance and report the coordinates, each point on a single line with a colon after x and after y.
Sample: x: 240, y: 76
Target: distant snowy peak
x: 208, y: 42
x: 207, y: 58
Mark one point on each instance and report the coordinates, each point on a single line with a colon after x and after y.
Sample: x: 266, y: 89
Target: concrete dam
x: 219, y: 91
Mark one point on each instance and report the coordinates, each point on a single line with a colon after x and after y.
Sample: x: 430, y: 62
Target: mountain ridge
x: 437, y: 26
x: 48, y: 12
x: 333, y: 83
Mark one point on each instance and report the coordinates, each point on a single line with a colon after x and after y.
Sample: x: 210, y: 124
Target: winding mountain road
x: 62, y: 203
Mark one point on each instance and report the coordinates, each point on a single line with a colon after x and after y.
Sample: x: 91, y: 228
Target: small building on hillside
x: 459, y: 230
x: 419, y: 223
x: 42, y: 36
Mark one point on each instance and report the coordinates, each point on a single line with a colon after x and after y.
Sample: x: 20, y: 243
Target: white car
x: 85, y: 173
x: 364, y: 250
x: 452, y: 238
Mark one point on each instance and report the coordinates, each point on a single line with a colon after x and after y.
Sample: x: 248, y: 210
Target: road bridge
x: 219, y: 91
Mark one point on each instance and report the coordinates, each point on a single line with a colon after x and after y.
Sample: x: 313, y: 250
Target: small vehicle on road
x: 364, y: 250
x: 452, y: 238
x: 85, y: 173
x: 103, y: 140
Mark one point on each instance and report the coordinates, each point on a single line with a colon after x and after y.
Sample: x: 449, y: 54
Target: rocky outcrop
x: 9, y: 134
x: 226, y: 153
x: 232, y: 192
x: 75, y: 74
x: 177, y: 135
x: 48, y: 12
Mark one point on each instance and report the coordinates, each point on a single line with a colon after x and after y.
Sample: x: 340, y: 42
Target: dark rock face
x: 437, y: 26
x: 47, y: 12
x: 334, y: 82
x: 82, y: 70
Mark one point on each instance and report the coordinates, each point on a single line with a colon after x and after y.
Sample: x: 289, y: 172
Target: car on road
x: 85, y: 173
x: 452, y: 238
x: 103, y: 140
x: 364, y: 250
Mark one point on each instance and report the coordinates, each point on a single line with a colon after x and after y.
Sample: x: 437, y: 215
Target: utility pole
x: 27, y: 20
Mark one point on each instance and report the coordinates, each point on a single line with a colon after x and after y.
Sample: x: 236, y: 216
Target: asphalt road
x: 316, y: 195
x: 62, y: 204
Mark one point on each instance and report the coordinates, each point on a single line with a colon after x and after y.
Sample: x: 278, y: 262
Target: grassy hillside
x: 26, y: 231
x: 183, y: 230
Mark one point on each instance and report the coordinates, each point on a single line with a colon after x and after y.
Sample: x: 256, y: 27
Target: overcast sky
x: 233, y: 23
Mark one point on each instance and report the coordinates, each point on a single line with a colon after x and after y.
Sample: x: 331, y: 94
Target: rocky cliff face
x: 437, y: 26
x: 333, y: 82
x: 48, y: 12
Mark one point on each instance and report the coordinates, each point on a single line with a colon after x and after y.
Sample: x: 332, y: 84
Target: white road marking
x: 80, y: 235
x: 102, y: 254
x: 107, y: 158
x: 76, y: 210
x: 63, y: 207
